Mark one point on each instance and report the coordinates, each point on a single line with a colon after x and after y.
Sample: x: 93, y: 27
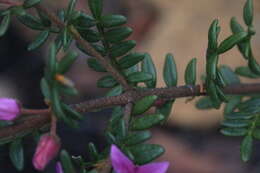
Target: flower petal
x: 159, y: 167
x: 59, y: 168
x: 9, y: 109
x: 120, y: 162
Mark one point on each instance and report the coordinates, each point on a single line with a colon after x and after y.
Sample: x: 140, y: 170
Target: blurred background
x: 191, y: 137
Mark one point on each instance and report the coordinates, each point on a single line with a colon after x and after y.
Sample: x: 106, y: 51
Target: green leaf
x: 139, y: 77
x: 246, y: 72
x: 253, y: 102
x: 106, y: 82
x: 122, y: 130
x: 213, y: 94
x: 16, y: 154
x: 137, y: 137
x: 39, y: 40
x: 115, y: 91
x: 220, y: 79
x: 56, y: 104
x: 84, y: 21
x: 66, y: 162
x: 239, y: 116
x: 221, y: 94
x: 113, y: 20
x: 232, y: 104
x: 5, y: 24
x: 253, y: 65
x: 92, y: 150
x: 256, y: 133
x: 95, y: 65
x: 121, y: 48
x: 31, y: 22
x: 143, y: 105
x: 66, y: 38
x: 190, y: 72
x: 70, y: 9
x: 89, y: 35
x: 231, y: 41
x: 213, y: 36
x: 16, y: 11
x: 71, y: 112
x: 66, y: 62
x: 204, y: 103
x: 96, y: 7
x: 235, y: 26
x: 116, y: 35
x: 246, y: 148
x: 145, y: 153
x: 165, y: 109
x: 149, y: 67
x: 67, y: 90
x: 211, y: 66
x: 130, y: 60
x: 45, y: 89
x: 52, y: 60
x: 236, y: 123
x: 111, y: 139
x: 146, y: 121
x: 248, y: 13
x: 229, y: 76
x: 97, y: 47
x: 234, y: 131
x: 170, y: 71
x: 243, y: 46
x: 30, y: 3
x: 44, y: 19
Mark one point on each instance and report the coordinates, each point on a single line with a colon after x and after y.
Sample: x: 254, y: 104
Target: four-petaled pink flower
x: 59, y: 168
x: 122, y: 164
x: 9, y: 109
x: 47, y: 148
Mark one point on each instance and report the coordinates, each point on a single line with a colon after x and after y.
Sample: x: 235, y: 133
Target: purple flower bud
x: 9, y: 109
x: 122, y: 164
x: 59, y: 168
x: 47, y: 148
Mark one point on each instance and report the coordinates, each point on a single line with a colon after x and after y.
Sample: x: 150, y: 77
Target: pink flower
x: 47, y: 148
x: 122, y: 164
x: 9, y: 109
x: 59, y: 168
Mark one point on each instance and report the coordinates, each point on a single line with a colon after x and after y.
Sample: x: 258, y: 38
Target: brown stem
x: 53, y: 125
x: 127, y: 113
x: 87, y: 47
x: 36, y: 122
x: 34, y: 111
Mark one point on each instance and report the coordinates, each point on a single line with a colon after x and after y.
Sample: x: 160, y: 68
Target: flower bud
x: 47, y: 148
x: 9, y: 109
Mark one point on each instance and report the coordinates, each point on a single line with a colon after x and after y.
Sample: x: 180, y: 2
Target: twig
x: 127, y: 113
x: 171, y: 93
x: 87, y: 47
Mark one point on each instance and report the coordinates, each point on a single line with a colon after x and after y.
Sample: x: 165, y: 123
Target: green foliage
x: 143, y: 105
x: 66, y: 162
x: 39, y: 40
x: 5, y: 24
x: 107, y: 34
x: 16, y: 154
x: 190, y: 72
x: 170, y: 71
x: 145, y: 153
x: 149, y: 67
